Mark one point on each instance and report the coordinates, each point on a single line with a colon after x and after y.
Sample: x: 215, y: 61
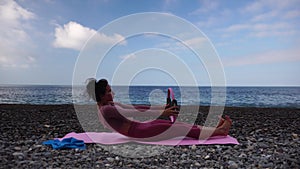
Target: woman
x: 111, y: 114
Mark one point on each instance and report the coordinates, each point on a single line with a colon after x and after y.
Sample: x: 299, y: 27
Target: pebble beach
x: 268, y: 137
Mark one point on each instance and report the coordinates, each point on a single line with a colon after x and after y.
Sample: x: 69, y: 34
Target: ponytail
x: 96, y: 89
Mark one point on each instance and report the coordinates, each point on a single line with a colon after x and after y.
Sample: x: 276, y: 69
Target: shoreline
x: 202, y: 106
x: 269, y: 138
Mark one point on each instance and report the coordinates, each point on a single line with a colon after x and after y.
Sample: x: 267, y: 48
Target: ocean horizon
x: 232, y: 96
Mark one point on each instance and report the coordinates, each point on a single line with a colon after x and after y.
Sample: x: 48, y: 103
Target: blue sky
x: 257, y: 41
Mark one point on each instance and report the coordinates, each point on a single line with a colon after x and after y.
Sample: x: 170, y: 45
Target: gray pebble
x: 207, y: 157
x: 267, y: 165
x: 243, y: 155
x: 263, y: 145
x: 197, y: 164
x: 232, y: 165
x: 18, y: 154
x: 17, y: 148
x: 37, y: 146
x: 183, y: 155
x: 110, y: 159
x: 47, y: 154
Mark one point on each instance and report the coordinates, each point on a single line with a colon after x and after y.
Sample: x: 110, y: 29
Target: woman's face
x: 109, y: 94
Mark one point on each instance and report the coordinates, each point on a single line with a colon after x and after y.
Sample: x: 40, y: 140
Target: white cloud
x: 15, y: 45
x: 167, y: 4
x: 264, y: 10
x: 263, y: 29
x: 275, y: 56
x: 11, y: 13
x: 209, y: 22
x: 206, y: 6
x: 176, y: 46
x: 198, y: 41
x: 73, y: 36
x: 292, y: 14
x: 274, y: 5
x: 213, y: 17
x: 265, y: 16
x: 259, y: 27
x: 129, y: 56
x: 253, y: 7
x: 237, y: 27
x: 260, y: 30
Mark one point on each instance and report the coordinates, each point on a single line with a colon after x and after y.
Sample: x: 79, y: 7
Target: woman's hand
x: 111, y: 103
x: 171, y: 111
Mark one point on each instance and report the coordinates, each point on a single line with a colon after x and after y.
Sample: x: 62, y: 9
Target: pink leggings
x: 157, y: 129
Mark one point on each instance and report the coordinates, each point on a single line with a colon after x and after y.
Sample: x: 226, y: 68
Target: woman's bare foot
x: 221, y: 121
x: 223, y: 130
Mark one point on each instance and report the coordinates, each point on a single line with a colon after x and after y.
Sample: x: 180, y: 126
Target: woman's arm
x: 139, y: 107
x: 132, y: 112
x: 137, y: 111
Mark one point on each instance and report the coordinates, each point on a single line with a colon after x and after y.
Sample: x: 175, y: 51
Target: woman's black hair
x: 96, y: 89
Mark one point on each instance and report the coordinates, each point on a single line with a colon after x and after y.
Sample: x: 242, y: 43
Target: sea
x: 269, y: 97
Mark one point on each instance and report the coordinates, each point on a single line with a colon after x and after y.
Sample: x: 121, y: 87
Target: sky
x: 257, y: 42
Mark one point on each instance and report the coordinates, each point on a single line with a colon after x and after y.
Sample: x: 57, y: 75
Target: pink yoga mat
x: 116, y: 138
